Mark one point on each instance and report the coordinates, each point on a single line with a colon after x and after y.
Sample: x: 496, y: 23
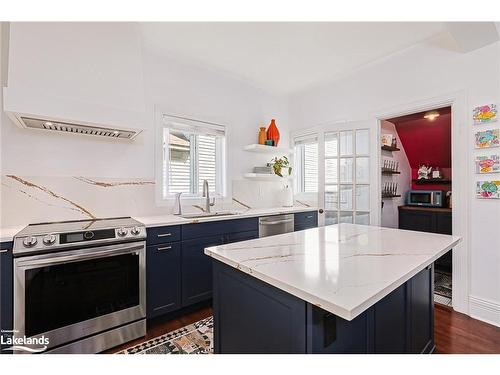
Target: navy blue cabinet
x: 157, y: 235
x: 163, y: 278
x: 197, y: 269
x: 247, y: 309
x: 305, y: 220
x: 6, y: 288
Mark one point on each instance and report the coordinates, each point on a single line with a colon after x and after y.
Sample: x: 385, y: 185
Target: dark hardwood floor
x: 461, y: 334
x: 454, y: 332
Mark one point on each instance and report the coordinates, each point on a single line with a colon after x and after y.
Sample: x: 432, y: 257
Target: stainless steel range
x: 81, y: 284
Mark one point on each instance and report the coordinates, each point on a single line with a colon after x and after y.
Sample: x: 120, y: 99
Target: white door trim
x: 461, y: 152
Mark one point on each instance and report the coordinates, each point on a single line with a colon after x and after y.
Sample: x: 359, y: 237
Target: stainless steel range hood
x: 34, y: 110
x: 75, y: 128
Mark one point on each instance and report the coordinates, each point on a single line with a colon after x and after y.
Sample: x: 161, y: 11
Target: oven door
x: 69, y: 295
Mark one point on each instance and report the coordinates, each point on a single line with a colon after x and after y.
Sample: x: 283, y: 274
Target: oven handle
x: 78, y: 255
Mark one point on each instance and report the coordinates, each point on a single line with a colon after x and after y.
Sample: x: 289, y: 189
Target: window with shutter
x: 306, y: 164
x: 193, y: 151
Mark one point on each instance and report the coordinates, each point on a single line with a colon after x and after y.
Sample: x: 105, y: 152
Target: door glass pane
x: 346, y: 197
x: 331, y: 171
x: 331, y: 144
x: 362, y: 142
x: 362, y: 197
x: 331, y: 217
x: 362, y: 170
x: 346, y: 217
x: 331, y: 197
x: 363, y: 218
x: 346, y: 143
x: 346, y: 169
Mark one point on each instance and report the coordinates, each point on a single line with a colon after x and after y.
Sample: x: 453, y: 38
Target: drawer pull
x: 3, y: 250
x: 309, y: 217
x: 164, y: 234
x: 163, y: 248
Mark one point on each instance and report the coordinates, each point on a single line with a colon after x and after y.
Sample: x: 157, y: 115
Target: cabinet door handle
x: 309, y: 217
x: 3, y: 250
x: 164, y: 234
x: 163, y: 248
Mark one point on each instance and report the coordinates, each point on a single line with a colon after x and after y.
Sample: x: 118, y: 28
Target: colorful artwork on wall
x: 488, y: 189
x: 485, y: 114
x: 488, y: 164
x: 488, y: 138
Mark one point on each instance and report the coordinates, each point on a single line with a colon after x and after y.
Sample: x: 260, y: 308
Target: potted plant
x: 279, y: 164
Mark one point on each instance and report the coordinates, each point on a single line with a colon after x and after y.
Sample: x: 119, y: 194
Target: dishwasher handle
x: 276, y: 222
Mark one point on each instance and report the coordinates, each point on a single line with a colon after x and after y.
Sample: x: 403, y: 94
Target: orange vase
x: 273, y: 133
x: 262, y: 136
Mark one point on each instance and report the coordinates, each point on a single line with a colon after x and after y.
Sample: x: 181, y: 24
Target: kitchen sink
x: 208, y: 214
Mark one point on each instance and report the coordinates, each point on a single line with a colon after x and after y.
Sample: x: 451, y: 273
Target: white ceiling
x: 283, y: 58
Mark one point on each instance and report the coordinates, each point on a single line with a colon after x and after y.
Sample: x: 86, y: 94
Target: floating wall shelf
x: 265, y: 177
x: 431, y: 181
x: 390, y: 148
x: 263, y: 149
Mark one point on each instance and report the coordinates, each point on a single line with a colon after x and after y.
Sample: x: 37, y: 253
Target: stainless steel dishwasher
x: 276, y: 224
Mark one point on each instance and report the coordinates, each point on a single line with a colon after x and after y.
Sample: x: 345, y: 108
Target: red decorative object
x: 273, y: 133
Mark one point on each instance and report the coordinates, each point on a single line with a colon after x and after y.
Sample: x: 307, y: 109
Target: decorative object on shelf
x: 448, y: 199
x: 488, y: 138
x: 262, y: 135
x: 390, y: 190
x: 484, y: 114
x: 394, y: 142
x: 287, y: 197
x: 390, y: 167
x: 436, y: 173
x: 488, y: 164
x: 269, y: 142
x: 386, y: 140
x: 281, y: 164
x: 488, y: 189
x: 263, y: 170
x: 273, y: 133
x: 424, y: 172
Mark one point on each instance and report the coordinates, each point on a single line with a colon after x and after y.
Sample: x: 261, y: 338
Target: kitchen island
x: 338, y: 289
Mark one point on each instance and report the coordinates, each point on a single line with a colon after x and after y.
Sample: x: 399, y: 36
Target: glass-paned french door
x: 346, y: 174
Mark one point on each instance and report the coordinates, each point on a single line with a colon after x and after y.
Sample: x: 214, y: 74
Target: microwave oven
x: 426, y: 198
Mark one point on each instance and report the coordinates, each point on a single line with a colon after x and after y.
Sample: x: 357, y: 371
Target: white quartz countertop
x: 343, y: 268
x: 8, y: 233
x: 163, y: 220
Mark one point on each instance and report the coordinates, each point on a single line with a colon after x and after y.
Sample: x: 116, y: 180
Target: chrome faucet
x: 177, y: 204
x: 206, y: 194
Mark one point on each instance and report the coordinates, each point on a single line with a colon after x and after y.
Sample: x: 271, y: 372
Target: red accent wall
x: 427, y: 142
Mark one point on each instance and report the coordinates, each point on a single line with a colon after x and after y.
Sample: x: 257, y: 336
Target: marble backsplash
x: 35, y: 199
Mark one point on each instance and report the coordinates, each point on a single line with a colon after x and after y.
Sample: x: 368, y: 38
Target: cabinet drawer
x: 191, y: 231
x: 158, y: 235
x: 306, y: 219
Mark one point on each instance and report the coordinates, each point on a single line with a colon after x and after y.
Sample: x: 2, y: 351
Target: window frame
x: 164, y: 124
x: 299, y: 162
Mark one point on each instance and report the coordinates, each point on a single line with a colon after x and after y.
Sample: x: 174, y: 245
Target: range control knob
x: 49, y: 239
x: 135, y: 231
x: 122, y: 232
x: 29, y: 241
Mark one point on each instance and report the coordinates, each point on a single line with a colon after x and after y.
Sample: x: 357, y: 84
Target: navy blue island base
x: 251, y: 316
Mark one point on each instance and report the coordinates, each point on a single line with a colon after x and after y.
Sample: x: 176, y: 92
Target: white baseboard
x: 485, y: 310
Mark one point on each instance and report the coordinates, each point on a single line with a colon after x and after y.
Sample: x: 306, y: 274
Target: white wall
x: 390, y: 213
x: 418, y: 74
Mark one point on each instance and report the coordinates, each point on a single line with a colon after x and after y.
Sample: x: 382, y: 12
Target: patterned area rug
x: 196, y: 338
x: 442, y: 284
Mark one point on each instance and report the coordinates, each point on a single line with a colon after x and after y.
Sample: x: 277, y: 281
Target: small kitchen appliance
x: 426, y: 198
